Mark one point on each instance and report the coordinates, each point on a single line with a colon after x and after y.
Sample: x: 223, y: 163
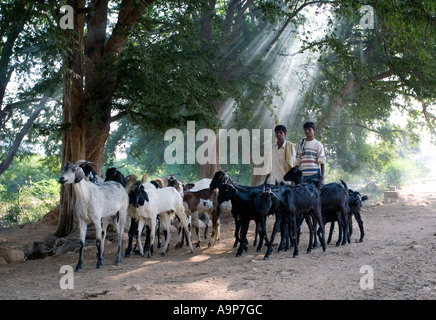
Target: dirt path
x: 399, y: 247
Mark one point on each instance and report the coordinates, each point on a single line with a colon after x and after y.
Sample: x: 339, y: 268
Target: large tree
x: 91, y: 78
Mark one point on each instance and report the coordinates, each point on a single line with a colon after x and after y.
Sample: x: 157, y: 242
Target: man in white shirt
x: 282, y: 157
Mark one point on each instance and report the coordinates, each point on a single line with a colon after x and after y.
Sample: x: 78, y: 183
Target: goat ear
x: 365, y: 197
x: 299, y: 173
x: 79, y: 175
x: 145, y: 194
x: 130, y: 183
x: 144, y: 178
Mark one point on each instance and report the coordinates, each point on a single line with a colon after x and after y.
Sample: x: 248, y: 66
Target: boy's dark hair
x: 280, y: 127
x: 309, y: 125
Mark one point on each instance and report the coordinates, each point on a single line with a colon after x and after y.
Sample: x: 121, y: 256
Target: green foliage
x: 402, y: 172
x: 27, y: 192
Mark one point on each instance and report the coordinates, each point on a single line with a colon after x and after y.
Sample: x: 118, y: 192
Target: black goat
x: 334, y: 202
x: 355, y: 200
x: 113, y: 174
x: 295, y: 175
x: 243, y: 210
x: 219, y: 178
x: 296, y: 202
x: 334, y: 207
x: 248, y: 204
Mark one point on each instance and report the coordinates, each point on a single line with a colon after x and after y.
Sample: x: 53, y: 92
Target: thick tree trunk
x: 73, y: 141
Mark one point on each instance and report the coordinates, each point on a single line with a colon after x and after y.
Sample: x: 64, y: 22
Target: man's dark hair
x: 309, y: 125
x: 280, y: 127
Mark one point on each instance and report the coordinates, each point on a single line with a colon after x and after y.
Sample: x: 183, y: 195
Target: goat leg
x: 277, y: 223
x: 243, y: 240
x: 83, y: 226
x: 310, y: 226
x: 332, y: 228
x: 132, y: 230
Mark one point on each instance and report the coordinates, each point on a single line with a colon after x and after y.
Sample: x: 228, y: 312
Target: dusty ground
x: 400, y: 247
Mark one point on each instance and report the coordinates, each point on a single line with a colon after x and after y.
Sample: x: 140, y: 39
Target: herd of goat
x: 150, y: 206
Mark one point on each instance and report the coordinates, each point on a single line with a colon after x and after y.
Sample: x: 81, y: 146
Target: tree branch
x: 289, y: 19
x: 404, y: 132
x: 20, y: 136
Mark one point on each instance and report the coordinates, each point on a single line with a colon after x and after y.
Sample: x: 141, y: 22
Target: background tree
x: 29, y: 81
x: 366, y: 75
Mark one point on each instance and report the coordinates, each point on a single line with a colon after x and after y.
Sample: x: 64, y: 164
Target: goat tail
x: 345, y: 185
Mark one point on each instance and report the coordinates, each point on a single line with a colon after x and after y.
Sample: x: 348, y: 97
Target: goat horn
x: 118, y: 168
x: 85, y: 162
x: 79, y: 162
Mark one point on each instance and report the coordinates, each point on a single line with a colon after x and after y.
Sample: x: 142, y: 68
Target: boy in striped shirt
x: 310, y: 154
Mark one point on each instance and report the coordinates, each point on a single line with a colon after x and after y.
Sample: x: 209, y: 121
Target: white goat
x: 99, y: 204
x: 151, y: 203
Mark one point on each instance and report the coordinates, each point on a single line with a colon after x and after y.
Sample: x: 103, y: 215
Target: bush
x: 27, y: 192
x: 402, y: 172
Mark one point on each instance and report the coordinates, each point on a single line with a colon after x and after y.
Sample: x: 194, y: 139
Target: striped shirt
x: 310, y: 155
